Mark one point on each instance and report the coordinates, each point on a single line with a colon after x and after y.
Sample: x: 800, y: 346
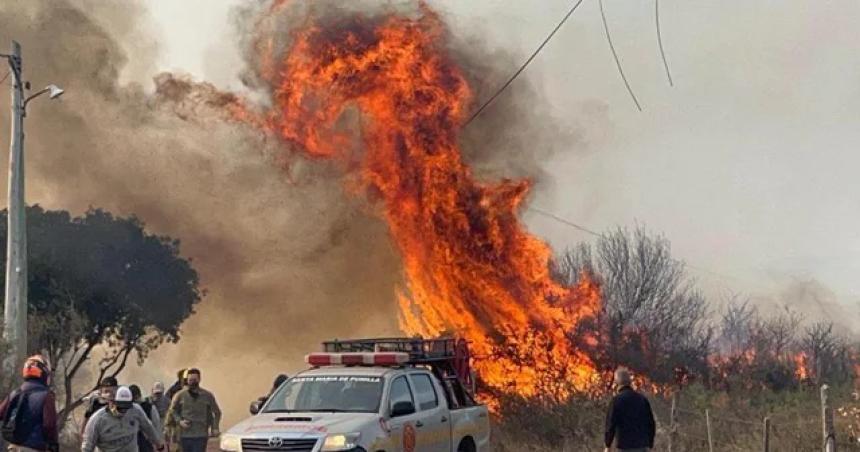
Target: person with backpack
x: 143, y: 445
x: 28, y: 416
x: 115, y: 427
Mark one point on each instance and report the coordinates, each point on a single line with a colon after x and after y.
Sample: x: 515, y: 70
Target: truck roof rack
x: 420, y: 350
x: 447, y: 357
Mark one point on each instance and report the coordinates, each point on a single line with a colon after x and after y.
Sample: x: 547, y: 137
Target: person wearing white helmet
x: 114, y: 428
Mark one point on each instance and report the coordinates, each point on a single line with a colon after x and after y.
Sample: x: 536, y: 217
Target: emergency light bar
x: 357, y: 359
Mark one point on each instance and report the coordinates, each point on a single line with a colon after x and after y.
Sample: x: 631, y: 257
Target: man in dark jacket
x: 34, y: 408
x: 258, y: 404
x: 630, y: 421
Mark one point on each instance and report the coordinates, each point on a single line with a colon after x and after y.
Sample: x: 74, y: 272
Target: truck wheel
x: 466, y: 445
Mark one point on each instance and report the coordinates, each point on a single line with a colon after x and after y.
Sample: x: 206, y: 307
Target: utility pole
x: 15, y: 310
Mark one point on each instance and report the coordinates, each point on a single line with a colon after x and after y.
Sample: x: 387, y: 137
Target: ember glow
x: 471, y: 268
x: 801, y: 366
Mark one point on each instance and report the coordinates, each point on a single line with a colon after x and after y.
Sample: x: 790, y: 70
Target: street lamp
x: 15, y: 309
x: 55, y: 91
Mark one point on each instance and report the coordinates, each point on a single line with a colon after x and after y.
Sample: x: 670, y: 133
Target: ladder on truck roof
x: 448, y: 358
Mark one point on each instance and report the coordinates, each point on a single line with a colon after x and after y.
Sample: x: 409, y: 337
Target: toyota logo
x: 276, y: 443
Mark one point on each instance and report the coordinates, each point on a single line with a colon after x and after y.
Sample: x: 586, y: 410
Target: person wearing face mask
x: 101, y: 398
x: 115, y: 427
x: 195, y: 412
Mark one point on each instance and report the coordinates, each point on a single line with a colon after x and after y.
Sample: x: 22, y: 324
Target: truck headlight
x: 230, y: 443
x: 339, y: 442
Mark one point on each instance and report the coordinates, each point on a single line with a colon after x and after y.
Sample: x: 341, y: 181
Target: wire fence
x: 697, y: 425
x: 700, y: 428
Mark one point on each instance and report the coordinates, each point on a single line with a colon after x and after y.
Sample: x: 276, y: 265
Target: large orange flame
x: 470, y: 266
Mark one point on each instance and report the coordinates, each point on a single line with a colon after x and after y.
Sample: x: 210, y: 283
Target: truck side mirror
x: 255, y: 407
x: 402, y: 409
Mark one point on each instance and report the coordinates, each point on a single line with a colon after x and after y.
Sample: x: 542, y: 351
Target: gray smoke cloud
x: 287, y: 259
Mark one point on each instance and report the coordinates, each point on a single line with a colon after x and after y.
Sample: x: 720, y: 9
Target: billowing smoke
x: 287, y: 261
x: 287, y: 256
x: 814, y: 302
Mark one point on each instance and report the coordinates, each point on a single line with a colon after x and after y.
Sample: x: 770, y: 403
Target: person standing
x: 143, y: 445
x: 629, y: 420
x: 29, y: 414
x: 159, y: 400
x: 114, y: 428
x: 177, y: 386
x: 100, y: 398
x: 258, y: 404
x: 195, y: 413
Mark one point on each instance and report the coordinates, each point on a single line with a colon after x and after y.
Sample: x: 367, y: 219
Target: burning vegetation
x: 382, y: 97
x: 384, y: 92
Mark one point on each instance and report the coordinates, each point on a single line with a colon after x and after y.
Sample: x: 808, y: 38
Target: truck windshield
x: 327, y: 393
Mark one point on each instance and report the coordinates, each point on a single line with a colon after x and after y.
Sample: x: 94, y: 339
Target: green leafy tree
x: 101, y: 289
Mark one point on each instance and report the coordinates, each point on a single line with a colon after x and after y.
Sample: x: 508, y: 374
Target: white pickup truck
x: 365, y: 402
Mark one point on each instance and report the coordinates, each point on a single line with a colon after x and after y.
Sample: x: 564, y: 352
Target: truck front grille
x: 278, y: 445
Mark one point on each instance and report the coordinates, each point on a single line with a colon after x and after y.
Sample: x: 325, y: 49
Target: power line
x: 615, y: 56
x: 563, y: 221
x: 660, y: 41
x: 523, y: 67
x: 596, y: 234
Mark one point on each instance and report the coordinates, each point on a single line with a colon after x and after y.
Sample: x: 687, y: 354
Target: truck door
x: 403, y: 421
x: 434, y: 423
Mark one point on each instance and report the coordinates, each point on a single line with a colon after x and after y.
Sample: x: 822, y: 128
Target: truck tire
x: 466, y: 445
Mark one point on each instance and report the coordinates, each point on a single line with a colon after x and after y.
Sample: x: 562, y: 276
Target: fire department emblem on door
x: 408, y: 438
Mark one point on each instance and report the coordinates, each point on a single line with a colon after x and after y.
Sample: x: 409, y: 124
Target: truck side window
x: 425, y: 392
x: 400, y: 392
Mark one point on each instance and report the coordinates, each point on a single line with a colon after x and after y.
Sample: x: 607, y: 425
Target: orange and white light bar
x: 356, y: 359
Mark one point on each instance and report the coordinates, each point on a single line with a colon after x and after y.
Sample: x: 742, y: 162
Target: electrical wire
x: 562, y: 220
x: 660, y: 41
x: 524, y: 65
x: 567, y: 222
x: 615, y: 56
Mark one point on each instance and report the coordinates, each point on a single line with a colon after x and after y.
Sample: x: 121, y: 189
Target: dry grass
x: 736, y: 423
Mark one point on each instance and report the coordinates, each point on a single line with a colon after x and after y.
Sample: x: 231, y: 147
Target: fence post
x: 766, y: 434
x: 672, y: 421
x: 708, y: 424
x: 827, y: 421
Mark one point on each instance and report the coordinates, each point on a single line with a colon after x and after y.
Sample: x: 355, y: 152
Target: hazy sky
x: 748, y: 165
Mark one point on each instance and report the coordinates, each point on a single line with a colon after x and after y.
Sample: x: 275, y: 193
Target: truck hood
x: 265, y: 424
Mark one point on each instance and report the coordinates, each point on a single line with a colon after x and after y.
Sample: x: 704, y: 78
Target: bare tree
x: 652, y: 317
x: 829, y: 353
